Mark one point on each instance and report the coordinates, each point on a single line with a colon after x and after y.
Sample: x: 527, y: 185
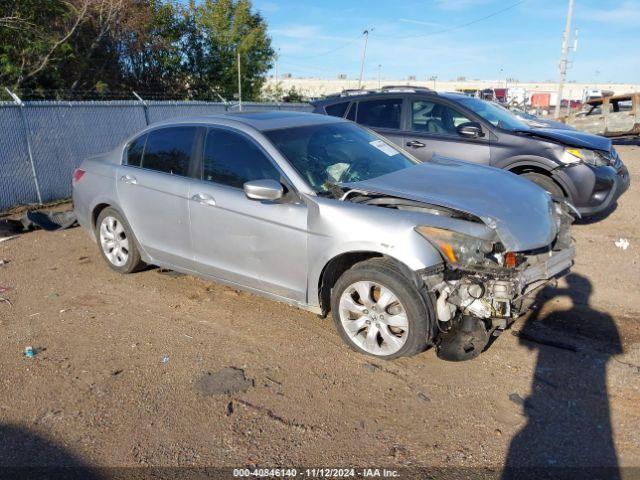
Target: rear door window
x: 383, y: 113
x: 169, y: 150
x: 337, y: 109
x: 134, y: 151
x: 232, y: 159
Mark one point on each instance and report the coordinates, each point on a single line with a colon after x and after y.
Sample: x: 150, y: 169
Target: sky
x: 520, y: 39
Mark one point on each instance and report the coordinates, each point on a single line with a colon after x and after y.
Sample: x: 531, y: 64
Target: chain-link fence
x: 43, y: 142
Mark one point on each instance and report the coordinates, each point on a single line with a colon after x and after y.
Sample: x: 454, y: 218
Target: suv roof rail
x: 406, y: 88
x: 385, y: 89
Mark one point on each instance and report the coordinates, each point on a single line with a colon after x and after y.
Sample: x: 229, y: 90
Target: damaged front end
x: 482, y: 288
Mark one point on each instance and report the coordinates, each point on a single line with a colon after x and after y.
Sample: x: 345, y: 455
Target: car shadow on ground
x: 24, y: 454
x: 568, y: 432
x: 598, y: 217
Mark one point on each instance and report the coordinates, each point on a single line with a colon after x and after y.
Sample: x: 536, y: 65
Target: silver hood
x: 520, y: 212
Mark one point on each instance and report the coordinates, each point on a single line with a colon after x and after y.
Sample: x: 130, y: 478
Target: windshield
x: 497, y: 116
x: 334, y: 153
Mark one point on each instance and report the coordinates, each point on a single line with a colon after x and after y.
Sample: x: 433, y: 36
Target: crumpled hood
x: 518, y: 210
x: 574, y: 138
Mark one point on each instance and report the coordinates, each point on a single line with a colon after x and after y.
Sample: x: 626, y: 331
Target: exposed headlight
x: 591, y: 157
x: 457, y: 248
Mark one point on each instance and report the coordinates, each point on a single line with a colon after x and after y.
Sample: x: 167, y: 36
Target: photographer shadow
x: 27, y: 455
x: 568, y: 432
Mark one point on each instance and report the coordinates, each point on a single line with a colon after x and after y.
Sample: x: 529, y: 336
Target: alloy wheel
x: 114, y: 241
x: 373, y: 318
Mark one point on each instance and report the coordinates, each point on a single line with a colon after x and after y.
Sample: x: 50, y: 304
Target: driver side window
x: 432, y: 117
x: 232, y: 159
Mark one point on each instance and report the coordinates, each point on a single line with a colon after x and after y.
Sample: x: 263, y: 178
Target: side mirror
x: 263, y: 190
x: 470, y: 130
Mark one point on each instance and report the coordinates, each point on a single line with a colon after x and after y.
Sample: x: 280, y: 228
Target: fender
x: 415, y: 254
x: 514, y: 162
x: 555, y: 170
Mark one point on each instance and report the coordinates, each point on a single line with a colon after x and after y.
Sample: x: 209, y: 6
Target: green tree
x: 151, y: 46
x: 217, y: 30
x: 34, y: 34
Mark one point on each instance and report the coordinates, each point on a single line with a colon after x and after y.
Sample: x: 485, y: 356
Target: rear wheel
x: 545, y: 182
x: 116, y: 242
x: 379, y: 311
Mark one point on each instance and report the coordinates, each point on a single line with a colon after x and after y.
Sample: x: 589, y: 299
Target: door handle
x: 415, y: 144
x: 204, y: 199
x: 131, y: 180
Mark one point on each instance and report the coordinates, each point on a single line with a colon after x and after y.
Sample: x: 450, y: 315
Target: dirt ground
x: 154, y: 370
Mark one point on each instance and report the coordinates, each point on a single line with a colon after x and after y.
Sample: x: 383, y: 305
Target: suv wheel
x: 545, y: 182
x: 379, y: 311
x: 116, y: 241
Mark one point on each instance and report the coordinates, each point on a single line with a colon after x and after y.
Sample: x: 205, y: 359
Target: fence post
x: 144, y: 107
x: 27, y: 131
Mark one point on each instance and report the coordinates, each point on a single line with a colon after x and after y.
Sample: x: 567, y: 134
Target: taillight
x: 78, y: 173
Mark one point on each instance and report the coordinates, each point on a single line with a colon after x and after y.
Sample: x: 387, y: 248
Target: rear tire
x: 378, y: 311
x: 116, y: 242
x: 545, y: 182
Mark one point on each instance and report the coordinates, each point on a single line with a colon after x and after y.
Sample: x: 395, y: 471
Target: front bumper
x: 503, y: 294
x: 594, y: 189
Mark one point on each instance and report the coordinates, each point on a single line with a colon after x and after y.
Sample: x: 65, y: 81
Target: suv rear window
x: 337, y: 109
x: 384, y: 113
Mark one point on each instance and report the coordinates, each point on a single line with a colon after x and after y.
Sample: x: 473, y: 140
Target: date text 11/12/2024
x: 316, y: 472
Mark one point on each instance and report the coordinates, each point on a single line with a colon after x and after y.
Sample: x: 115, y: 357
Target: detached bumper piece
x: 547, y: 268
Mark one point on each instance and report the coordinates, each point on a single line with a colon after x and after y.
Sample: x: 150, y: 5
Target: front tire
x: 545, y: 182
x: 380, y: 312
x: 116, y: 242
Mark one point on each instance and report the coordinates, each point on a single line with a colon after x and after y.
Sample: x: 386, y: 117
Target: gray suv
x: 579, y: 167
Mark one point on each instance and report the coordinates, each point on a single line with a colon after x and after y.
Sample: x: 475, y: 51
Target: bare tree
x: 79, y: 14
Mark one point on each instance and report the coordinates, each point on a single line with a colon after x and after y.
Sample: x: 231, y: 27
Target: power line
x: 449, y: 29
x: 350, y: 42
x: 456, y: 27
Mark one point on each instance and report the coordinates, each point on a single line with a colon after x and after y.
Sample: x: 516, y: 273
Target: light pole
x: 564, y: 59
x: 379, y: 69
x: 364, y: 54
x: 277, y: 87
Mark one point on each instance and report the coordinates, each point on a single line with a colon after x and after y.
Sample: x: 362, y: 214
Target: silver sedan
x: 323, y: 214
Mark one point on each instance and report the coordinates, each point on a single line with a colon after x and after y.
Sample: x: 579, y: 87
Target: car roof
x: 392, y: 91
x: 262, y: 121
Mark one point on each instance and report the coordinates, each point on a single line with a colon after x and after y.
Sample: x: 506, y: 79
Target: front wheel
x: 545, y: 182
x: 379, y: 311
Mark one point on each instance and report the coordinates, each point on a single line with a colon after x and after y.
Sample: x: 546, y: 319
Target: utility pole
x: 277, y: 84
x: 364, y: 54
x: 564, y: 60
x: 239, y: 84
